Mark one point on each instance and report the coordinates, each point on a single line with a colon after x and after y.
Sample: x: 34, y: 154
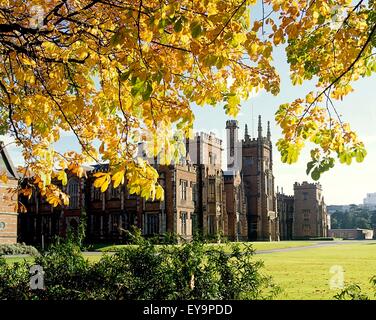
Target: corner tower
x: 310, y: 214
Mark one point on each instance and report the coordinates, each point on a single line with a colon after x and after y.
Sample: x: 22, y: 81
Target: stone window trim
x: 73, y: 190
x: 183, y: 219
x: 183, y: 189
x: 152, y: 223
x: 212, y: 190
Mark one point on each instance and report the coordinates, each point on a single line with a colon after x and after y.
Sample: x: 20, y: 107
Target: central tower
x: 258, y: 179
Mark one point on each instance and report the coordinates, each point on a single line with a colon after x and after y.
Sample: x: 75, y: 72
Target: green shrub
x: 323, y: 239
x: 354, y: 292
x: 210, y: 238
x: 17, y: 248
x: 14, y: 280
x: 351, y: 292
x: 145, y: 271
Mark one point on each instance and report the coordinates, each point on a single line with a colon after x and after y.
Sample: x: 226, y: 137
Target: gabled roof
x: 6, y: 163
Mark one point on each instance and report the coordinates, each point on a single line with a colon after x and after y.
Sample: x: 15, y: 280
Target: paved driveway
x: 318, y: 245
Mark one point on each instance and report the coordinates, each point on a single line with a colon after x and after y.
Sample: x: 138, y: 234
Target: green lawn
x: 256, y: 245
x: 279, y: 245
x: 306, y: 274
x: 91, y: 257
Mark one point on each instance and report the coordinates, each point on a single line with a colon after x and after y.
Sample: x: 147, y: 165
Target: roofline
x: 7, y: 158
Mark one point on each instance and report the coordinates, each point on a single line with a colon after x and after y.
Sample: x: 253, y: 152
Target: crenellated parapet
x: 306, y: 184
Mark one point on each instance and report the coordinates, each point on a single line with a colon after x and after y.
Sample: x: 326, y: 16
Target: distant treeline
x: 354, y: 217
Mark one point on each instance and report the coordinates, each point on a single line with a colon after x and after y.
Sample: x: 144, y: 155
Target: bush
x: 210, y: 238
x: 323, y: 239
x: 354, y: 292
x: 17, y: 248
x: 351, y: 292
x: 144, y: 271
x: 14, y: 280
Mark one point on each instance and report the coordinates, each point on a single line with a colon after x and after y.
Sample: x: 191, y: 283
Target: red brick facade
x: 8, y: 199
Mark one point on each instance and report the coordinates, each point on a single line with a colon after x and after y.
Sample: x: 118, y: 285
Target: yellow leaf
x: 310, y: 98
x: 62, y: 176
x: 80, y: 172
x: 103, y: 182
x: 159, y: 193
x: 28, y: 120
x: 4, y: 177
x: 99, y: 174
x: 278, y: 36
x: 105, y: 185
x: 65, y: 199
x: 254, y: 47
x: 118, y: 178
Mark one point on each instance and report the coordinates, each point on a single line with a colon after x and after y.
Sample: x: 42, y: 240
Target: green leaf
x: 310, y: 166
x: 210, y: 60
x: 321, y: 19
x: 118, y: 37
x: 315, y: 174
x: 374, y: 66
x: 158, y: 76
x: 228, y: 36
x: 162, y: 24
x: 147, y: 91
x: 360, y: 155
x: 125, y: 75
x: 292, y: 153
x: 137, y: 88
x: 196, y: 29
x: 331, y: 162
x: 178, y: 25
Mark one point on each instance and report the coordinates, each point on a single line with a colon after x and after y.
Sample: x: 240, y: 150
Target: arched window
x: 74, y: 193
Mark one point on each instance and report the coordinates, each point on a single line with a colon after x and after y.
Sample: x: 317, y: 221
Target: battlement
x: 209, y: 138
x: 305, y: 184
x: 285, y: 196
x: 250, y: 141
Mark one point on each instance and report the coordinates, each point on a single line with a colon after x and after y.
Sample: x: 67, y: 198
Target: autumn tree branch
x: 342, y: 74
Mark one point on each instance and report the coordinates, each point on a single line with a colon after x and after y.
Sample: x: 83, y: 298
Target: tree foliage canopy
x: 116, y: 73
x: 354, y: 217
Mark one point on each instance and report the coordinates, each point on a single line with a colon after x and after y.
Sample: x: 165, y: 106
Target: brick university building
x: 239, y: 202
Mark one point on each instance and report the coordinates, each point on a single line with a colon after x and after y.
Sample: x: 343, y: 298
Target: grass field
x: 90, y: 256
x: 305, y: 274
x: 256, y: 245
